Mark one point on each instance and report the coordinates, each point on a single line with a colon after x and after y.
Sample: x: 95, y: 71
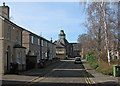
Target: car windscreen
x: 78, y: 59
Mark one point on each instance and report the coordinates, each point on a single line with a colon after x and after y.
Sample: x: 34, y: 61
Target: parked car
x: 77, y: 60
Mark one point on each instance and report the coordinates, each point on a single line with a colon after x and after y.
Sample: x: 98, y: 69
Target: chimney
x: 51, y: 39
x: 4, y: 11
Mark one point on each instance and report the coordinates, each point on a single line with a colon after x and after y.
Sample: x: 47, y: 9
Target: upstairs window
x: 17, y: 35
x: 46, y: 44
x: 32, y: 39
x: 38, y: 41
x: 8, y: 32
x: 41, y: 42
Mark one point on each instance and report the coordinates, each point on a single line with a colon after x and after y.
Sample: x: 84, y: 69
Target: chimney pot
x: 4, y: 4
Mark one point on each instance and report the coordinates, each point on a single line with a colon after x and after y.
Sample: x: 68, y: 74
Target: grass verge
x: 104, y: 67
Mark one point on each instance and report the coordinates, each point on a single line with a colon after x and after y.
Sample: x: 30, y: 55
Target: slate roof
x: 62, y: 43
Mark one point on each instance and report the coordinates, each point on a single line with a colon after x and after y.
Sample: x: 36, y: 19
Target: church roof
x: 61, y: 43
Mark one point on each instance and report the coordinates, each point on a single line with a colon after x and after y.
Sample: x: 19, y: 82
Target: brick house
x: 37, y: 48
x: 44, y: 49
x: 11, y: 49
x: 48, y: 49
x: 20, y: 45
x: 32, y: 43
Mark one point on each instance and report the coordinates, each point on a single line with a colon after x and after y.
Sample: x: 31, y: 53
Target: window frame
x: 38, y: 41
x: 17, y: 35
x: 8, y: 32
x: 32, y: 39
x: 42, y: 43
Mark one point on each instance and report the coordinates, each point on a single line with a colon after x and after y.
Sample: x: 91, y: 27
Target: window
x: 62, y: 37
x: 38, y: 41
x: 46, y: 44
x: 41, y: 42
x: 19, y: 57
x: 32, y: 39
x: 8, y: 32
x: 17, y: 35
x: 60, y: 49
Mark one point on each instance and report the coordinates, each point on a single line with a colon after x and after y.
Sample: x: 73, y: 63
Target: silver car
x: 77, y: 60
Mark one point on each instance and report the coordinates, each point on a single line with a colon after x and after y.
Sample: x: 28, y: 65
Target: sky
x: 48, y: 18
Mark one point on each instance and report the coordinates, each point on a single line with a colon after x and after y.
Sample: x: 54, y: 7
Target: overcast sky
x: 48, y: 18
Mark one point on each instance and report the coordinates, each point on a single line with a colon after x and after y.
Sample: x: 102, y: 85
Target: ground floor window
x: 19, y: 57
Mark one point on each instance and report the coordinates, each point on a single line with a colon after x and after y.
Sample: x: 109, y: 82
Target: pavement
x: 27, y: 76
x: 63, y: 73
x: 99, y: 78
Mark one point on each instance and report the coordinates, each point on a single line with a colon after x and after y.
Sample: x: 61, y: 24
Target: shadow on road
x: 20, y: 83
x: 66, y: 69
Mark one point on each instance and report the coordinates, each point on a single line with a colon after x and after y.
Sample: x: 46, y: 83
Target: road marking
x: 88, y: 80
x: 39, y: 79
x: 68, y: 69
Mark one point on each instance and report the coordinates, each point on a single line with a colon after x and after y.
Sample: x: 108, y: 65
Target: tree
x: 101, y: 25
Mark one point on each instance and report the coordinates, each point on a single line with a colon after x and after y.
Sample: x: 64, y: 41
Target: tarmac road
x: 66, y: 73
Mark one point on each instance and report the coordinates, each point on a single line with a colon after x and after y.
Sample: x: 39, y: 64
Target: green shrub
x: 104, y: 67
x: 92, y: 59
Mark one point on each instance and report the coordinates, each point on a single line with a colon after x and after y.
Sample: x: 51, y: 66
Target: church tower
x: 62, y: 34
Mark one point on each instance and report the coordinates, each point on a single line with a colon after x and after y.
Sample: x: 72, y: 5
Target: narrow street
x: 66, y: 73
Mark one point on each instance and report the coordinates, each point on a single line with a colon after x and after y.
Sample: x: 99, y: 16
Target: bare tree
x: 101, y: 26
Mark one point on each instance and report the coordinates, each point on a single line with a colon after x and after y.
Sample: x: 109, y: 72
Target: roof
x: 3, y: 18
x: 61, y: 43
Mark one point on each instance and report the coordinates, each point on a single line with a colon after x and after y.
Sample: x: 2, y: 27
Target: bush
x: 92, y: 59
x: 104, y: 67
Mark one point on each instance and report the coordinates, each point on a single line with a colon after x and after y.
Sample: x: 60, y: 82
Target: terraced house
x: 11, y: 49
x: 21, y: 46
x: 48, y: 49
x: 32, y: 43
x: 37, y: 48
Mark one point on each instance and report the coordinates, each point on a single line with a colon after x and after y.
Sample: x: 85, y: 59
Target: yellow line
x: 87, y: 80
x: 41, y: 78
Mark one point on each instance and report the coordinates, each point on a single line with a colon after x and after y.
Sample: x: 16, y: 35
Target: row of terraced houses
x: 20, y: 45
